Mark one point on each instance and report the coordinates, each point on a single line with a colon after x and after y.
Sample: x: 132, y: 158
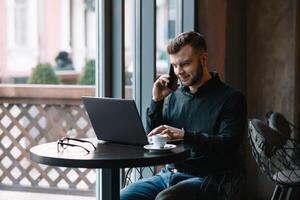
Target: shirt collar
x: 206, y: 87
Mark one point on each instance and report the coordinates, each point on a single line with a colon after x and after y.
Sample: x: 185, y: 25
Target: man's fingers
x: 160, y: 128
x: 170, y: 131
x: 157, y: 130
x: 166, y: 126
x: 163, y: 81
x: 167, y: 133
x: 164, y: 76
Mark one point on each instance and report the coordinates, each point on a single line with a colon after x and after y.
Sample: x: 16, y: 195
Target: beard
x: 198, y: 76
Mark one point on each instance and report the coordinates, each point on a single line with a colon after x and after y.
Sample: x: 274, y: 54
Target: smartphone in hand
x: 172, y: 85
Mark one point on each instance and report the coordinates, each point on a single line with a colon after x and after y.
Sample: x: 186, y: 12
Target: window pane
x: 165, y: 29
x: 48, y: 42
x: 129, y: 47
x: 20, y: 13
x: 44, y: 42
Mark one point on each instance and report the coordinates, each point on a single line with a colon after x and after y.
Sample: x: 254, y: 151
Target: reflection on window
x: 165, y: 29
x: 59, y: 35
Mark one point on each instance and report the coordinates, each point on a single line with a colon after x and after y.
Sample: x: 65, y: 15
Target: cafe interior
x: 252, y: 44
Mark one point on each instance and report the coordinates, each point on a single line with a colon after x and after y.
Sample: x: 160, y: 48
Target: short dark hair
x: 195, y: 39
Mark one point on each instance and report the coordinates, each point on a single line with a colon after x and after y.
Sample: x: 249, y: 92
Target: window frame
x: 110, y: 63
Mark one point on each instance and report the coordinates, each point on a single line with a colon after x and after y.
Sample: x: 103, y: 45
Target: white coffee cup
x: 158, y: 140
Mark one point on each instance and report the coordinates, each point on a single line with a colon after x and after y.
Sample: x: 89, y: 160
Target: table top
x: 107, y: 155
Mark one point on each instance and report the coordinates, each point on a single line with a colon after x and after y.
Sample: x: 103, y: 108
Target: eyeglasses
x: 63, y: 143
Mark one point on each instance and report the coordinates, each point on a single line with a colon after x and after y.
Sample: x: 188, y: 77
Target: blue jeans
x: 163, y: 186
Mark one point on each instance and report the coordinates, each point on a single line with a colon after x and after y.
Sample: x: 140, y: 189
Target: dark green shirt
x: 214, y: 120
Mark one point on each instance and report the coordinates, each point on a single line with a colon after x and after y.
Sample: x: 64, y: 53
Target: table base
x: 108, y: 184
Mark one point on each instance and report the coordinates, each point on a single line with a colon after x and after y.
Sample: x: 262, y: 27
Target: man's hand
x: 160, y: 90
x: 171, y: 132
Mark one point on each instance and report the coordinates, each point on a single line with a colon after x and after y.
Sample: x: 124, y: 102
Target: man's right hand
x: 171, y: 132
x: 160, y: 89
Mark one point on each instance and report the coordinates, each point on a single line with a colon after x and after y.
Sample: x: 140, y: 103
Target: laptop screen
x: 115, y: 120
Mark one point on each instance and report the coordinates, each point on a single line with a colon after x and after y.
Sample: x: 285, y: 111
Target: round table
x: 109, y: 157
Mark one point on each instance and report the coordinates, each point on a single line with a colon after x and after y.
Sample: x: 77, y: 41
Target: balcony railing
x: 35, y: 114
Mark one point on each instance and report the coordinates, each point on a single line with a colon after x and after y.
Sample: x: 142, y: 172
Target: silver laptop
x: 115, y: 120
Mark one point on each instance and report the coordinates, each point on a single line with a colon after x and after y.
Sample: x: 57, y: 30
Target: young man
x: 204, y: 112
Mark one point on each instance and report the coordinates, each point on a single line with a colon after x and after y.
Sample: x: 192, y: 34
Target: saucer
x: 167, y: 147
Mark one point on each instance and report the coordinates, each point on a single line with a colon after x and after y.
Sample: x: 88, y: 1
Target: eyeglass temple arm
x: 79, y: 140
x: 73, y: 145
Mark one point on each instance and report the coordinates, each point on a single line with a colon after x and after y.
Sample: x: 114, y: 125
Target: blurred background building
x: 36, y: 31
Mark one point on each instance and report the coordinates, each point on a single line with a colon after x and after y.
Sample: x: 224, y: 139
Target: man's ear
x: 204, y: 58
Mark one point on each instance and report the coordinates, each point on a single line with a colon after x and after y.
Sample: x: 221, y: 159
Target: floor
x: 13, y: 195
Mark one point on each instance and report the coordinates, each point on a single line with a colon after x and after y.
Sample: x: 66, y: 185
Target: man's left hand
x: 171, y: 132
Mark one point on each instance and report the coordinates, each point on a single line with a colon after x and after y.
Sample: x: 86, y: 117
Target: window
x: 129, y: 33
x: 63, y: 34
x: 166, y: 13
x: 20, y: 21
x: 51, y: 45
x: 56, y: 34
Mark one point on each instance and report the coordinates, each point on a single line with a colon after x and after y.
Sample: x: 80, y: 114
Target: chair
x: 276, y: 153
x: 228, y: 185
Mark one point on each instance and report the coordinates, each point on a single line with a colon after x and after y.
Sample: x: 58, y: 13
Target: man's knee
x: 180, y: 191
x: 167, y: 194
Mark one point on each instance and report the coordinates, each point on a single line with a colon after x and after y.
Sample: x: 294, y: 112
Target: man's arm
x: 154, y: 115
x: 159, y: 92
x: 233, y: 120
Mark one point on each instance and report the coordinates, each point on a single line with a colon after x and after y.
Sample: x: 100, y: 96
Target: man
x: 204, y: 112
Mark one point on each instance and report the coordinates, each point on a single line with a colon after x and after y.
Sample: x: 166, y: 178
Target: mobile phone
x: 172, y: 85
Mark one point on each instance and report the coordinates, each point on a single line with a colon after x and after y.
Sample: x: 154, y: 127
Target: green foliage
x: 43, y: 73
x: 88, y: 75
x: 163, y: 56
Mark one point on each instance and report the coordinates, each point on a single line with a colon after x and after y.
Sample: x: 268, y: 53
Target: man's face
x: 188, y: 65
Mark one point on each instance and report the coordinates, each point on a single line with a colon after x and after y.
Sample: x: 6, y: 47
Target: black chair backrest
x: 273, y: 149
x: 279, y: 123
x: 270, y: 139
